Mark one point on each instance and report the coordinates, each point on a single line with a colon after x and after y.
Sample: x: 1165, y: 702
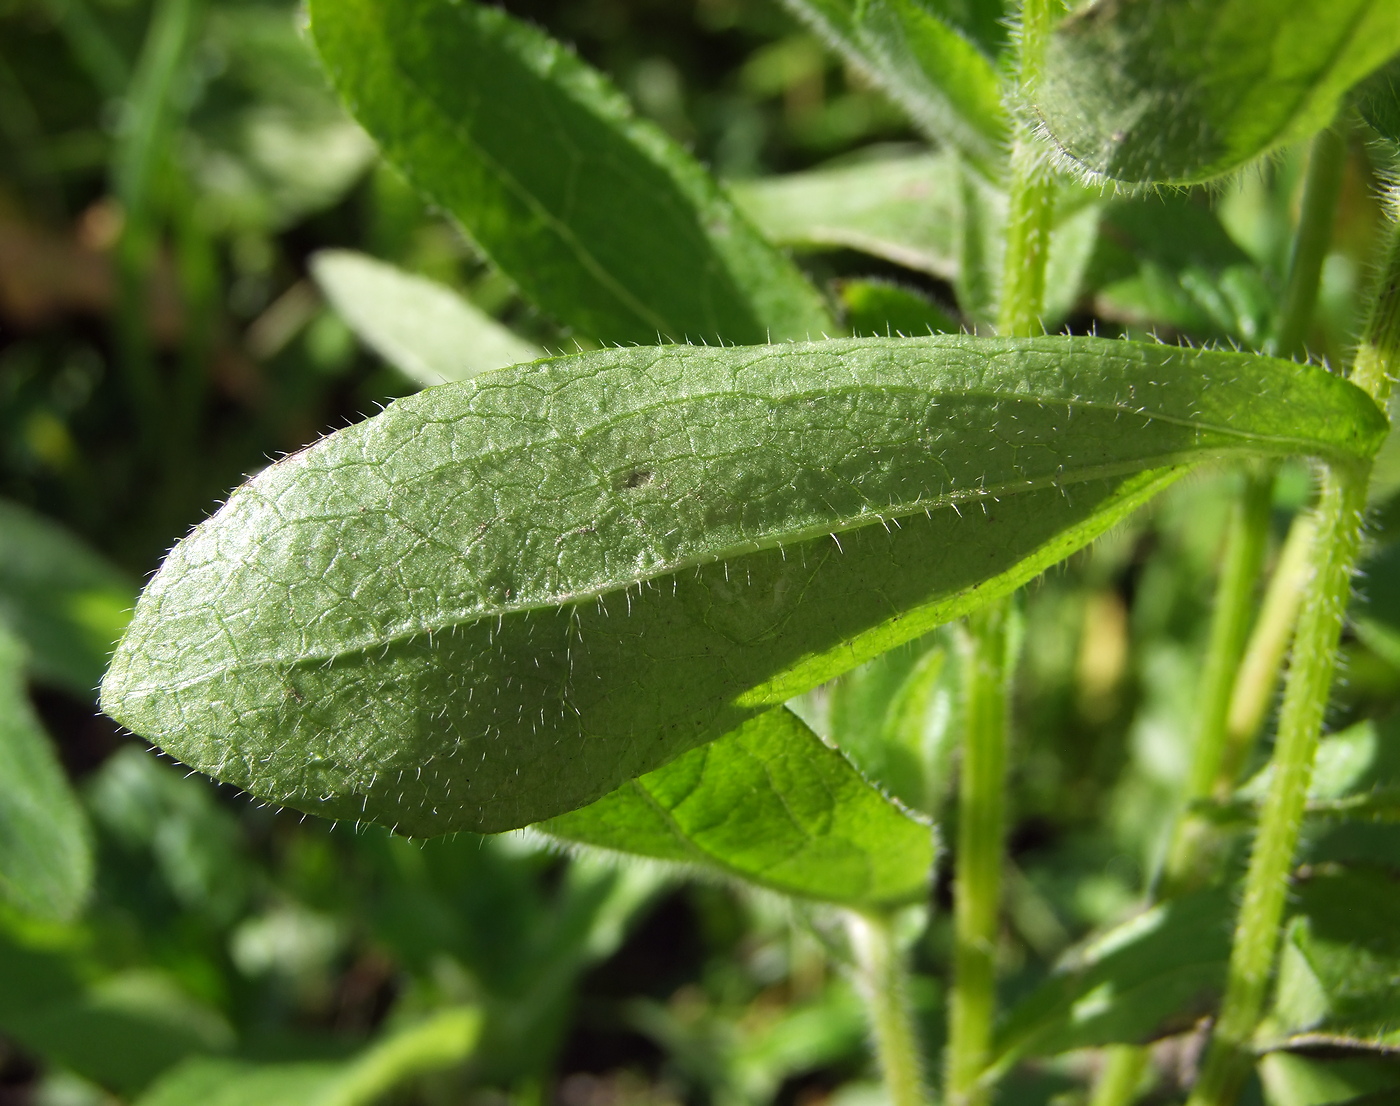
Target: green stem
x: 1263, y: 658
x: 1321, y: 189
x: 1031, y: 198
x: 880, y: 978
x: 1245, y: 546
x: 1123, y: 1069
x: 1339, y: 517
x: 981, y: 830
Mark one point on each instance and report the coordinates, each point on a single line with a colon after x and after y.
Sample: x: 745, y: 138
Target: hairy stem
x: 880, y: 978
x: 1245, y: 545
x: 1339, y: 516
x: 981, y: 830
x: 1263, y: 657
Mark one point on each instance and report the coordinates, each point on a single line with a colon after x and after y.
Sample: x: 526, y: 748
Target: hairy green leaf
x: 1339, y: 972
x: 45, y: 859
x: 1378, y: 98
x: 1185, y: 90
x: 65, y: 603
x: 771, y: 804
x: 501, y: 599
x: 599, y: 217
x: 442, y: 1040
x: 950, y: 90
x: 423, y: 328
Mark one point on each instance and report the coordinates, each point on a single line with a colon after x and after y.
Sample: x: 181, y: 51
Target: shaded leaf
x: 1185, y: 90
x: 501, y: 599
x: 120, y: 1031
x: 1152, y: 976
x: 45, y: 857
x: 442, y: 1040
x: 1339, y: 971
x: 598, y: 217
x: 771, y: 804
x: 422, y: 328
x: 1378, y: 98
x: 66, y: 604
x: 950, y: 90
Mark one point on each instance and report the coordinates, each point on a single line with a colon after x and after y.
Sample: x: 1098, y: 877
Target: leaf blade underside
x: 501, y: 599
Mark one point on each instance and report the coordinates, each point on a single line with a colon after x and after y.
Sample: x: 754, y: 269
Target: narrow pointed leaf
x: 950, y: 90
x: 442, y: 1040
x: 501, y: 599
x: 600, y: 218
x: 771, y: 804
x: 45, y: 860
x: 62, y: 600
x: 1154, y: 975
x: 1185, y: 90
x: 423, y: 328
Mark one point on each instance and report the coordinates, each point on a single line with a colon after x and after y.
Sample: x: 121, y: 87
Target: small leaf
x: 893, y: 718
x: 45, y: 858
x: 1339, y: 972
x: 902, y: 209
x: 1154, y: 975
x: 924, y: 212
x: 442, y: 1040
x: 501, y: 599
x: 66, y: 604
x: 423, y: 328
x: 881, y: 308
x: 1378, y: 98
x: 599, y: 217
x: 950, y: 90
x: 773, y: 805
x: 1293, y: 1080
x: 1185, y: 90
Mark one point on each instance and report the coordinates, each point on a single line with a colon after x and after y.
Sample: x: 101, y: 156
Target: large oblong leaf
x: 599, y: 217
x: 774, y: 805
x: 1185, y: 90
x: 498, y: 600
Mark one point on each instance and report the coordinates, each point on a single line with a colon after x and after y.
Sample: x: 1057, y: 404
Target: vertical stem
x: 1339, y: 517
x: 1263, y: 657
x: 1245, y: 545
x: 981, y: 829
x: 1123, y: 1069
x: 880, y: 980
x: 1321, y: 189
x: 1031, y: 199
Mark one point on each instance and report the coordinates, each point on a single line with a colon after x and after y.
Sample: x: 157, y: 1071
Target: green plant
x: 605, y: 593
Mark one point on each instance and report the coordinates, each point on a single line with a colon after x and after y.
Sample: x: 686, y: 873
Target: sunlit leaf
x: 1185, y: 90
x: 424, y: 329
x: 773, y: 805
x: 501, y: 599
x: 600, y: 218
